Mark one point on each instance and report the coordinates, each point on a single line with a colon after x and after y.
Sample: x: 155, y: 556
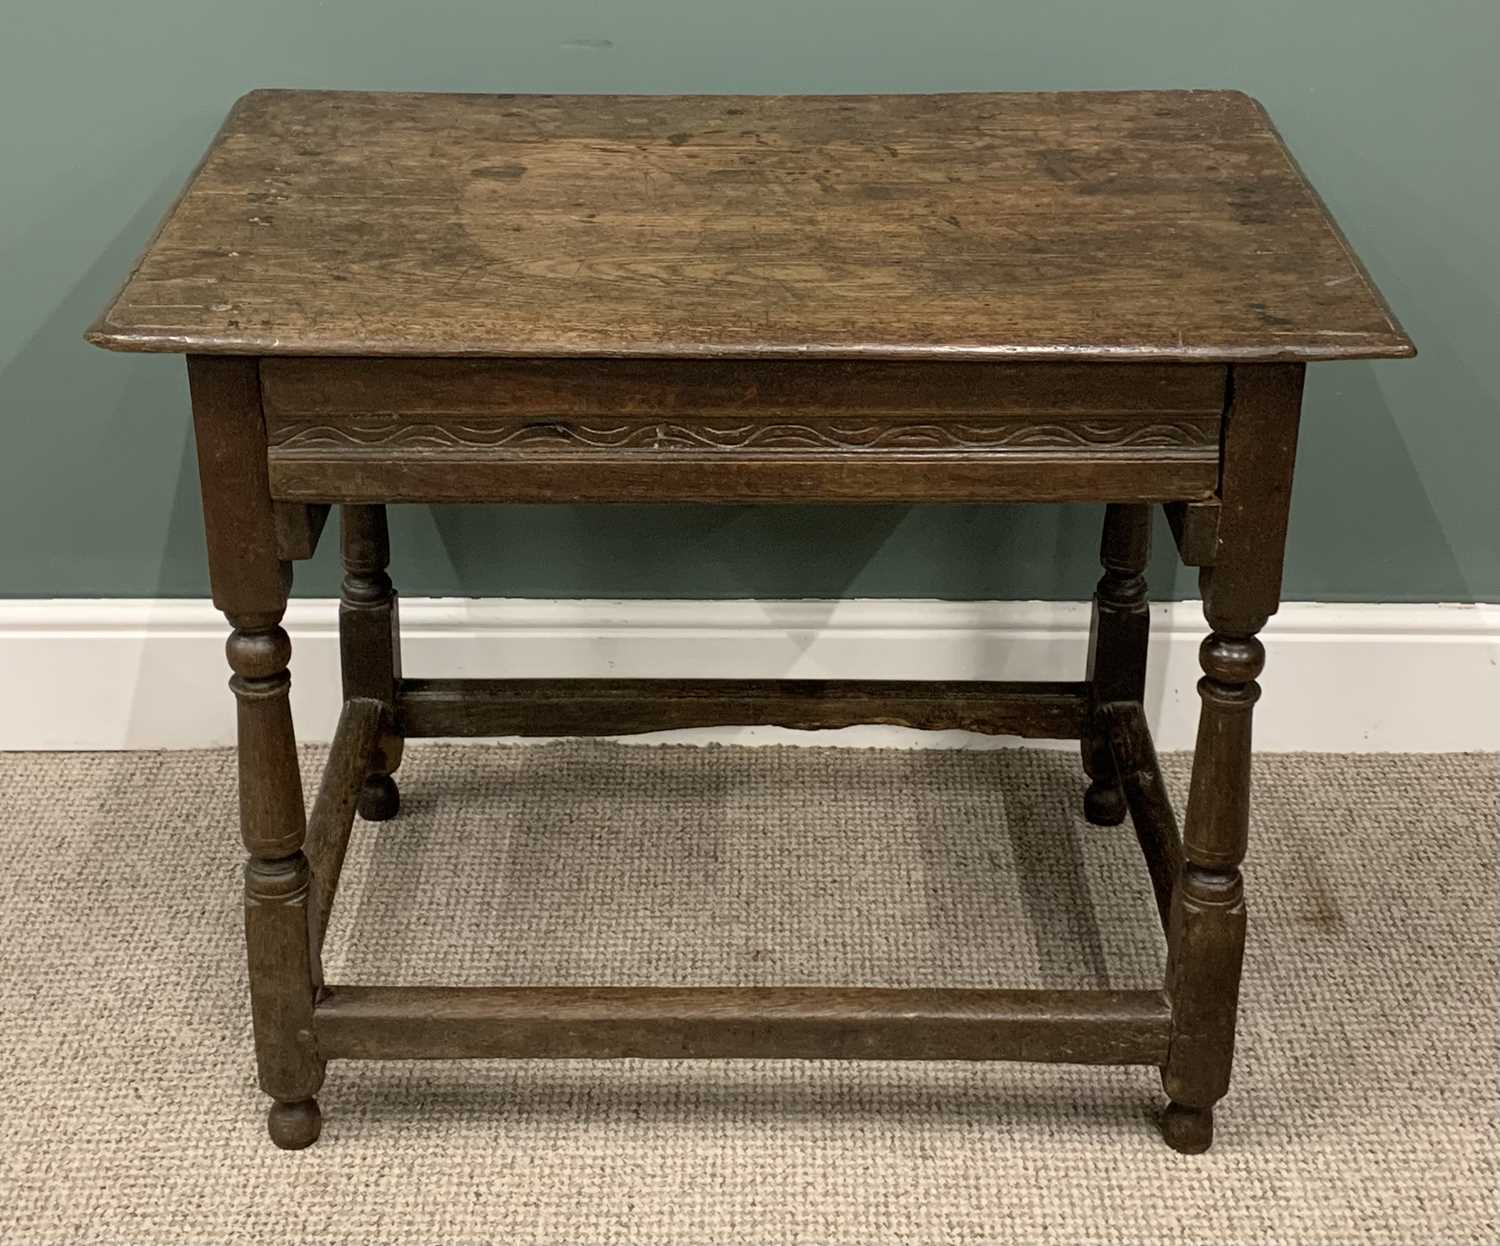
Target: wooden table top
x: 1169, y: 226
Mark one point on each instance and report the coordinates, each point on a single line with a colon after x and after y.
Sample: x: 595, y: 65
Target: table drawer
x: 624, y: 429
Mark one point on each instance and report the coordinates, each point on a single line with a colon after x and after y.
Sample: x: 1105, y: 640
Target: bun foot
x: 1104, y: 804
x: 379, y: 799
x: 295, y: 1125
x: 1188, y: 1130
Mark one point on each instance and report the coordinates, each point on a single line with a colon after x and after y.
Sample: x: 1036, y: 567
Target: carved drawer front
x: 606, y: 429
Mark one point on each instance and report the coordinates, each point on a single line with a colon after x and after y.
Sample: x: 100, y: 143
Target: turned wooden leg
x: 250, y: 585
x: 278, y: 933
x: 1206, y: 926
x: 1206, y: 930
x: 370, y: 646
x: 1118, y: 630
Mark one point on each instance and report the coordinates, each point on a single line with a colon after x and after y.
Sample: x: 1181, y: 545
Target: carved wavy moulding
x: 1196, y: 434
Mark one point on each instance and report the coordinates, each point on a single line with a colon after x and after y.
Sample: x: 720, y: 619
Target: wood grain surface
x: 1169, y: 226
x: 807, y: 1023
x: 560, y: 707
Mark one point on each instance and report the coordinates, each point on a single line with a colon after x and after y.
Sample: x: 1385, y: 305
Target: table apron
x: 603, y: 430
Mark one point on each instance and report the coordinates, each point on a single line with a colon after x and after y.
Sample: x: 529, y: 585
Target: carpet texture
x: 1365, y: 1100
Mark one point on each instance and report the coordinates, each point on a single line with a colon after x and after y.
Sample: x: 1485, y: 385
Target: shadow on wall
x: 1381, y: 538
x: 765, y: 552
x: 99, y: 447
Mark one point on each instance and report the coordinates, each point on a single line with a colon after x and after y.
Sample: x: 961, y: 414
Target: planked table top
x: 1147, y: 225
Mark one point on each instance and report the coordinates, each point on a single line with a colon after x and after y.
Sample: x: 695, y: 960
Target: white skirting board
x: 134, y: 674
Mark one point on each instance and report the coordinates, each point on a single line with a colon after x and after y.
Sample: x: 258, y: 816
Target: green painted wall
x: 1393, y: 107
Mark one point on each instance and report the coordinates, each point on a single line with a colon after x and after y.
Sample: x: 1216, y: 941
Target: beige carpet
x: 1365, y: 1101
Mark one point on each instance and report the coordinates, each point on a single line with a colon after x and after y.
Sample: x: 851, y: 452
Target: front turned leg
x: 370, y: 647
x: 1206, y: 925
x: 278, y: 936
x: 1206, y: 931
x: 1119, y: 628
x: 250, y: 584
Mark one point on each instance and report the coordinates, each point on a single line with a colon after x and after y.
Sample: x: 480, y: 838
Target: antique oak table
x: 965, y: 298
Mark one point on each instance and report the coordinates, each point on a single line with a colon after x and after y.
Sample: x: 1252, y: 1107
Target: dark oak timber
x: 564, y: 707
x: 1105, y: 226
x: 250, y: 586
x: 809, y: 1023
x: 606, y: 430
x: 437, y: 404
x: 1119, y: 628
x: 1103, y: 297
x: 332, y: 816
x: 370, y: 647
x: 298, y: 527
x: 888, y: 478
x: 1195, y: 531
x: 1206, y: 933
x: 1146, y: 797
